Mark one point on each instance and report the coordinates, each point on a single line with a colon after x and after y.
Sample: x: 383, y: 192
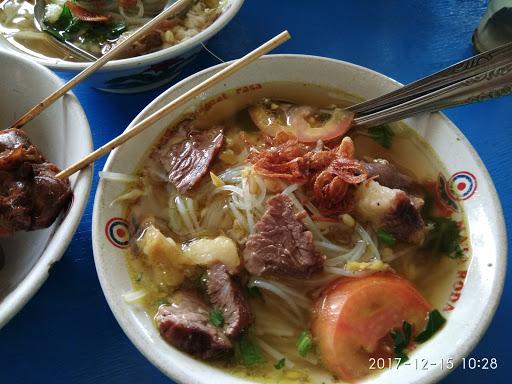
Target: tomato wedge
x: 353, y: 317
x: 86, y: 15
x: 298, y: 122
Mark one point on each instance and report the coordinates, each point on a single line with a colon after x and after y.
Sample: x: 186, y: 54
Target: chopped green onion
x: 444, y: 237
x: 247, y: 351
x: 382, y: 135
x: 216, y: 317
x: 304, y: 343
x: 139, y: 276
x: 386, y: 237
x: 401, y: 339
x: 280, y: 364
x: 434, y: 323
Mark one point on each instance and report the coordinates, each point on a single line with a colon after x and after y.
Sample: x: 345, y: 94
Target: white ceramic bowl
x: 62, y: 134
x: 473, y: 300
x: 141, y: 73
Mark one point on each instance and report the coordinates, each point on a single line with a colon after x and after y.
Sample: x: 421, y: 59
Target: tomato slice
x: 353, y: 317
x: 298, y: 123
x: 86, y: 15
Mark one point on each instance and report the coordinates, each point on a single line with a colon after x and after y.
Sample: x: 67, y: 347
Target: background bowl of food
x: 96, y: 26
x: 38, y: 213
x: 250, y: 243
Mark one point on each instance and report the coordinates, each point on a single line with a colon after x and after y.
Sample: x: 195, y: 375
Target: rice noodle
x: 272, y: 330
x: 366, y: 237
x: 233, y: 173
x: 291, y: 188
x: 214, y: 214
x: 288, y: 299
x: 132, y: 195
x: 182, y: 209
x: 354, y: 254
x: 260, y: 198
x: 191, y: 210
x: 247, y: 205
x: 134, y: 19
x: 274, y: 353
x: 329, y: 246
x: 344, y: 272
x: 230, y: 188
x: 307, y: 220
x: 398, y: 254
x: 237, y: 215
x: 290, y: 315
x: 116, y: 176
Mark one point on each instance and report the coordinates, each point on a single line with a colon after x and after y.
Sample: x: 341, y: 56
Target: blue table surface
x: 67, y: 333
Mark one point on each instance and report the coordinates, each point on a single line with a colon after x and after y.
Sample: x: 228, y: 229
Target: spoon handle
x: 76, y: 50
x: 487, y: 85
x: 450, y: 75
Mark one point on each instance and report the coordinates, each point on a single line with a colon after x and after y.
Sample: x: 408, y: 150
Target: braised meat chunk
x: 188, y: 160
x: 391, y: 209
x: 281, y: 244
x: 387, y: 174
x: 185, y: 324
x: 31, y: 197
x: 226, y: 294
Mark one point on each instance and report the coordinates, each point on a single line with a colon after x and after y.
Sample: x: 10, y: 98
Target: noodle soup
x: 269, y: 241
x: 97, y: 26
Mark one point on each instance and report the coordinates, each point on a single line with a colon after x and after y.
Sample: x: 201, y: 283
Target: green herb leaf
x: 70, y: 28
x: 117, y: 28
x: 139, y: 276
x: 247, y: 351
x: 304, y: 343
x: 255, y: 292
x: 216, y: 317
x: 382, y: 135
x: 401, y: 339
x: 386, y: 237
x: 280, y: 364
x: 444, y: 237
x: 434, y: 323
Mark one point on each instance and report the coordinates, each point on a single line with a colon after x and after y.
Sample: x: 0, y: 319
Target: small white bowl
x: 62, y: 134
x: 473, y: 299
x: 141, y: 73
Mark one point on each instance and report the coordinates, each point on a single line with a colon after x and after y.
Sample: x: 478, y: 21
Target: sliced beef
x: 187, y: 157
x: 281, y: 244
x: 31, y: 197
x: 387, y: 174
x: 226, y: 295
x: 391, y: 209
x: 186, y: 326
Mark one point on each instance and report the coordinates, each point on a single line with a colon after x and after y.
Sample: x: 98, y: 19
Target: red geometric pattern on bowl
x: 462, y: 185
x: 116, y: 231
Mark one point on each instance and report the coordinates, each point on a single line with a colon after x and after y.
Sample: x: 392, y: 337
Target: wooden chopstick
x: 176, y: 103
x: 177, y: 7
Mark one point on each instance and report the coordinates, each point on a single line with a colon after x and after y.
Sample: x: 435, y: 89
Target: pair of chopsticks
x: 177, y: 7
x: 176, y: 103
x: 174, y: 9
x: 481, y: 77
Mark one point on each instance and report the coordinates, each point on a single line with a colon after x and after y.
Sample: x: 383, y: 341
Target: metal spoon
x: 39, y: 8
